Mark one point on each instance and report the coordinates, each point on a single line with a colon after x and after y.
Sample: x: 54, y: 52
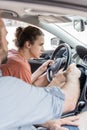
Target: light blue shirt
x: 22, y: 104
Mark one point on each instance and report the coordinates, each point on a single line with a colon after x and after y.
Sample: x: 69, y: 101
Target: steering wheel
x: 59, y: 63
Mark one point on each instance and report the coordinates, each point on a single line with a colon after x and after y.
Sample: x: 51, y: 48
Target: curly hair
x: 17, y: 35
x: 29, y: 33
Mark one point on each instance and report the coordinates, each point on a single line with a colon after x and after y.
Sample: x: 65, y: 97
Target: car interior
x: 65, y: 47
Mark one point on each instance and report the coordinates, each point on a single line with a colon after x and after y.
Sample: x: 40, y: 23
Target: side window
x: 11, y: 26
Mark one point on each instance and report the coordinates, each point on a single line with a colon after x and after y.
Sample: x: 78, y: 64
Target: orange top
x: 17, y: 66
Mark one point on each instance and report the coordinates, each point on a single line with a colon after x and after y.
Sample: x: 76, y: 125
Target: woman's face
x: 37, y: 48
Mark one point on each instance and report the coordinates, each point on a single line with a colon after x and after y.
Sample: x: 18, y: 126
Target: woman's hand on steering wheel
x: 62, y: 62
x: 45, y: 65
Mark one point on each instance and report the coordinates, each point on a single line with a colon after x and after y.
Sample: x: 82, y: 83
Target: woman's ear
x: 27, y: 44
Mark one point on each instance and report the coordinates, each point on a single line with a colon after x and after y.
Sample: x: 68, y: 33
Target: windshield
x: 11, y: 26
x: 63, y: 28
x: 80, y: 36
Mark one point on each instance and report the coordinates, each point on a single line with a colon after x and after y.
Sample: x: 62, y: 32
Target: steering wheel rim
x: 68, y: 53
x: 68, y: 60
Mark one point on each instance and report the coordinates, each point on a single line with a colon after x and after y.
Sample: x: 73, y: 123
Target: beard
x: 4, y: 57
x: 4, y: 60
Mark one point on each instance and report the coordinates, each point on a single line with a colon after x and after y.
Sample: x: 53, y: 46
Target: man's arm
x: 71, y: 88
x: 23, y: 104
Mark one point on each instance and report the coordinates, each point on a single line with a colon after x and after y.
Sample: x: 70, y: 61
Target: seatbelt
x: 82, y: 104
x: 83, y: 96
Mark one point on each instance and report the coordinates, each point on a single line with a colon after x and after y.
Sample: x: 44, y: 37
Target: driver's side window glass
x: 11, y: 26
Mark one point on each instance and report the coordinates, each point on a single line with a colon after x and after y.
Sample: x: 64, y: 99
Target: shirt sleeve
x: 22, y: 104
x: 17, y: 69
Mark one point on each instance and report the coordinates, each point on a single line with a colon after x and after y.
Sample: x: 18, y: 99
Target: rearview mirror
x: 79, y: 25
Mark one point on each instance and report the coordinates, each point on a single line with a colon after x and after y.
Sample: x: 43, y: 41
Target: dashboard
x: 76, y: 57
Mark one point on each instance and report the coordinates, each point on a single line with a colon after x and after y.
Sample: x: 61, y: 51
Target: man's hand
x: 73, y: 72
x: 59, y: 79
x: 57, y: 124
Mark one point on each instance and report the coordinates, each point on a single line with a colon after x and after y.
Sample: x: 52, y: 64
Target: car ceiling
x: 36, y: 11
x: 79, y: 4
x: 26, y: 8
x: 56, y: 2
